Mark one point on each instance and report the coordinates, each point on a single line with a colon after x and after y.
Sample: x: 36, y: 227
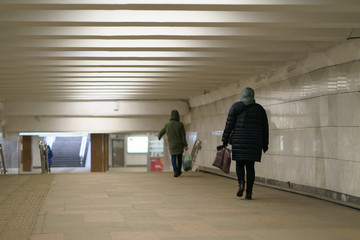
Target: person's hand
x: 186, y: 148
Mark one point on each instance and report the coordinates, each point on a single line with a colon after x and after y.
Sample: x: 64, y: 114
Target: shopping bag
x: 187, y: 162
x: 223, y: 158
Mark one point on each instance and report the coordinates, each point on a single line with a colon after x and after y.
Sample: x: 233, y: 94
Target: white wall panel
x: 314, y: 120
x: 91, y: 108
x: 85, y: 124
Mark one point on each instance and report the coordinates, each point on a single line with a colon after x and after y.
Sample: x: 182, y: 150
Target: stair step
x: 66, y: 152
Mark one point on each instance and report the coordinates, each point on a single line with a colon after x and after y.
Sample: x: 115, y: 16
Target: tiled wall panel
x: 314, y: 124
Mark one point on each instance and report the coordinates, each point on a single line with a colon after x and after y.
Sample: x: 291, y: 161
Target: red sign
x: 156, y: 164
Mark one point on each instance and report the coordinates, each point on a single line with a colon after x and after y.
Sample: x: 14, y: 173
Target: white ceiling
x: 156, y: 49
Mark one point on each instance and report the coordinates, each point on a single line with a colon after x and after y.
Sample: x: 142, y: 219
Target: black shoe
x: 241, y: 189
x: 176, y: 174
x: 248, y: 196
x: 179, y: 173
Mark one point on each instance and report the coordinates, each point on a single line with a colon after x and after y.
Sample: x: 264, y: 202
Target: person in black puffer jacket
x: 247, y: 130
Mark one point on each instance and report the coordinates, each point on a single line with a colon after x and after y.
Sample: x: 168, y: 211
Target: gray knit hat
x: 248, y: 96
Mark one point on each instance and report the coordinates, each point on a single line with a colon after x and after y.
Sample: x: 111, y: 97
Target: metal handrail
x: 83, y: 147
x: 195, y: 150
x: 3, y: 164
x: 44, y: 158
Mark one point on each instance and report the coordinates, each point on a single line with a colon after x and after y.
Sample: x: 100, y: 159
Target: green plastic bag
x: 187, y: 162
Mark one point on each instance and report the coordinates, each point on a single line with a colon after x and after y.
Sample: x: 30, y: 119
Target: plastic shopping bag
x: 187, y: 162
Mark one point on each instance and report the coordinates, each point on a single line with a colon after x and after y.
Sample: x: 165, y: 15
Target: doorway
x: 118, y: 153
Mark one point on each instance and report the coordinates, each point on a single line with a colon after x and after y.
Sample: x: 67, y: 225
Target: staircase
x: 66, y: 152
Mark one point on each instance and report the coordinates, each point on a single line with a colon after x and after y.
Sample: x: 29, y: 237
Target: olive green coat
x: 175, y: 132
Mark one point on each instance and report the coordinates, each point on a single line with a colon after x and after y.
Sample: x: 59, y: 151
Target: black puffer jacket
x: 247, y: 130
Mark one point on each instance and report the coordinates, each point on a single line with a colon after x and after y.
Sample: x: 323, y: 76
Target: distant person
x: 175, y: 132
x: 50, y: 156
x: 247, y: 130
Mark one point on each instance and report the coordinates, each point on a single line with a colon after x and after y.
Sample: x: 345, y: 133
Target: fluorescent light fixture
x: 121, y: 2
x: 110, y: 75
x: 120, y: 43
x: 133, y: 31
x: 58, y: 134
x: 114, y: 63
x: 128, y: 16
x: 114, y: 54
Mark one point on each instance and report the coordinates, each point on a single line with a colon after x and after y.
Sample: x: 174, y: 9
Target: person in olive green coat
x: 175, y: 132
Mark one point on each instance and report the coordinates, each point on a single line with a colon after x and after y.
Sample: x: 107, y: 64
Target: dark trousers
x: 176, y: 164
x: 250, y: 173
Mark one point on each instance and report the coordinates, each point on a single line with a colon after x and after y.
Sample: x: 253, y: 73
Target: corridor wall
x: 314, y: 120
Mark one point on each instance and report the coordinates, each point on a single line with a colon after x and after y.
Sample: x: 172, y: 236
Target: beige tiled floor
x: 157, y: 206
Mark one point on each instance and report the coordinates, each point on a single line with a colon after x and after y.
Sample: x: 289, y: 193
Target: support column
x: 106, y: 153
x: 99, y: 152
x: 26, y: 154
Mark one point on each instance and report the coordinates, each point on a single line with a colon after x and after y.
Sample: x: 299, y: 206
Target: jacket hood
x: 248, y: 96
x: 175, y: 115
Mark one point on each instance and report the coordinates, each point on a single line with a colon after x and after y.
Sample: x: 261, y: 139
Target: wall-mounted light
x: 116, y: 106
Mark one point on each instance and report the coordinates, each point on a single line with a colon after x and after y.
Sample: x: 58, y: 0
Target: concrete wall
x: 136, y: 159
x: 88, y: 117
x: 314, y: 115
